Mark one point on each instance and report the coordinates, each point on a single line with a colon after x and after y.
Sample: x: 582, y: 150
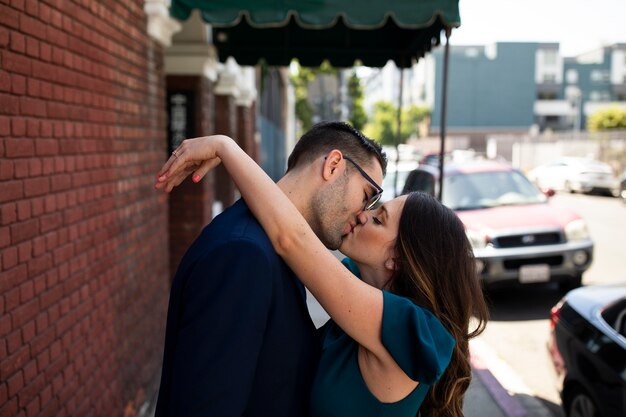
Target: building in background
x: 508, y: 88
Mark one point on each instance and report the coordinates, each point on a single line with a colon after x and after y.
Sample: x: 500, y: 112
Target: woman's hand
x: 197, y: 156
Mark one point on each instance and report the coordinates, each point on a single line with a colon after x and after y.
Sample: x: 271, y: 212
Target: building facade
x: 93, y: 98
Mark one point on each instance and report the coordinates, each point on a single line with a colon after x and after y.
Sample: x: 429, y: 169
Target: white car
x: 576, y: 175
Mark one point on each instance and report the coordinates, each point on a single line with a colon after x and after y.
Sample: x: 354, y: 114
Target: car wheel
x: 570, y: 284
x: 581, y: 405
x: 568, y: 187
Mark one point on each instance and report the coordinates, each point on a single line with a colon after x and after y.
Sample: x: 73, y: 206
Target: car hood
x: 528, y: 216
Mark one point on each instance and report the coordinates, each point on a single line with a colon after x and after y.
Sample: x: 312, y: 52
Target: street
x: 519, y: 327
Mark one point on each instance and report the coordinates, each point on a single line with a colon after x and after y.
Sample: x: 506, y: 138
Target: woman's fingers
x: 204, y: 168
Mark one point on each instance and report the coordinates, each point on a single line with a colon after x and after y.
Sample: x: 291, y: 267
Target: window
x: 599, y: 76
x: 549, y: 57
x: 546, y: 96
x: 572, y: 76
x: 549, y: 78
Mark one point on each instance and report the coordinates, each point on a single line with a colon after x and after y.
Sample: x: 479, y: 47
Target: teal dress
x: 415, y: 339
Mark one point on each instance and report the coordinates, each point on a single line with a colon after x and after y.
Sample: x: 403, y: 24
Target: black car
x: 622, y: 187
x: 588, y: 350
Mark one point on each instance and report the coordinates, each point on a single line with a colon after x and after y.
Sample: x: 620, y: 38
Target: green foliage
x: 300, y: 81
x: 383, y: 126
x: 358, y: 117
x: 612, y: 118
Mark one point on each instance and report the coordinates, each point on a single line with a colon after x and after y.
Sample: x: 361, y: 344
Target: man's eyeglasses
x: 371, y: 202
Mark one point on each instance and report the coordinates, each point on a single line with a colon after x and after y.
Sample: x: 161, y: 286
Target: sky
x: 579, y: 26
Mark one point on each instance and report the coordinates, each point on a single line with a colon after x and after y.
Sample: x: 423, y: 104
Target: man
x: 239, y: 339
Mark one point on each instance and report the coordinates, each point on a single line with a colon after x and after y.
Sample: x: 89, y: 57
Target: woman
x: 398, y: 339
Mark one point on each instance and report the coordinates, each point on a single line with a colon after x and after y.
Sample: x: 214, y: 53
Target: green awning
x: 341, y: 31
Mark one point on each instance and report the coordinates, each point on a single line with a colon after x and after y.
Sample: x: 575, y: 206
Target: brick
x: 4, y: 39
x: 18, y: 4
x: 45, y: 52
x: 15, y: 383
x: 17, y: 148
x: 14, y: 341
x: 8, y: 214
x: 35, y: 167
x: 18, y: 84
x: 34, y: 87
x: 32, y: 47
x: 18, y: 42
x: 10, y: 408
x: 24, y: 231
x: 27, y: 290
x: 9, y: 17
x: 11, y: 279
x: 5, y: 238
x: 32, y: 8
x: 24, y: 210
x: 5, y: 81
x: 5, y: 325
x: 11, y: 190
x: 6, y: 169
x: 31, y: 26
x: 24, y: 253
x: 36, y: 186
x: 5, y: 126
x: 9, y: 104
x: 38, y: 265
x: 25, y: 313
x: 32, y: 129
x: 32, y: 107
x: 18, y: 126
x: 15, y: 62
x: 9, y: 258
x: 47, y: 147
x: 21, y: 168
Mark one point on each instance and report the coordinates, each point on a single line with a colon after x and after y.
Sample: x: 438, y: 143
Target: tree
x: 608, y: 119
x: 383, y: 126
x: 301, y: 80
x: 358, y: 117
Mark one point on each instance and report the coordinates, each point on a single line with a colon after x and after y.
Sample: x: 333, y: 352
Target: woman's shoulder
x: 416, y: 339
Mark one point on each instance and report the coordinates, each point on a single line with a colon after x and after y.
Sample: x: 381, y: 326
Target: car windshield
x: 489, y: 189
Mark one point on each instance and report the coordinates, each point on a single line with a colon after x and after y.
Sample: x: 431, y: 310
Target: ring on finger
x: 174, y: 153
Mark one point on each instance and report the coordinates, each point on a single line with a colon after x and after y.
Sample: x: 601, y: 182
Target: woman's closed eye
x: 376, y: 220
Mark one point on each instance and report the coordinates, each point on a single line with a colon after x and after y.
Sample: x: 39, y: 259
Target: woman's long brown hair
x: 436, y: 269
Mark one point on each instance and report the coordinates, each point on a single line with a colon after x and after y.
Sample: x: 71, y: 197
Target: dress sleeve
x: 416, y: 339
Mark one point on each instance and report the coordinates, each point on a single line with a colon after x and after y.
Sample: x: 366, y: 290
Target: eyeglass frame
x: 375, y: 198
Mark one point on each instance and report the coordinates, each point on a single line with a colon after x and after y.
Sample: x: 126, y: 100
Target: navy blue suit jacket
x: 239, y: 339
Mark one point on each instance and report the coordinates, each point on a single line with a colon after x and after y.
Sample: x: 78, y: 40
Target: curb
x: 504, y: 388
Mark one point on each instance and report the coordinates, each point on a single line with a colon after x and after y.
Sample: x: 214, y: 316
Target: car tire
x: 580, y: 404
x: 570, y: 284
x: 568, y: 187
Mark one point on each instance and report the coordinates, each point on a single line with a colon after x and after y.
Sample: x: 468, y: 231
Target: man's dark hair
x: 326, y: 136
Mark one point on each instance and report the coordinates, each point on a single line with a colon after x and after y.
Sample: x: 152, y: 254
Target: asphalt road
x: 519, y: 329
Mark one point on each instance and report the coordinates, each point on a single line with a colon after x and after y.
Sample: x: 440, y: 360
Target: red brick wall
x: 83, y: 235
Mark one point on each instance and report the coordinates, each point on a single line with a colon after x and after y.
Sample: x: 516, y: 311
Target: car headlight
x: 477, y: 240
x: 576, y: 230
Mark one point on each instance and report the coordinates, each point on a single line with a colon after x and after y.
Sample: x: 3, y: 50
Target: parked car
x: 576, y: 175
x: 588, y: 349
x: 391, y: 182
x: 517, y: 235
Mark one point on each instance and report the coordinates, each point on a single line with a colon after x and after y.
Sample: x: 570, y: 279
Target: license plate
x: 534, y: 273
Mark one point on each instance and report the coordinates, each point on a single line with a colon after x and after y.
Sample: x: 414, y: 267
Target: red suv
x: 518, y: 236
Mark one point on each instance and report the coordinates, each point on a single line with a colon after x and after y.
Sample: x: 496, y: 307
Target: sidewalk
x: 496, y: 391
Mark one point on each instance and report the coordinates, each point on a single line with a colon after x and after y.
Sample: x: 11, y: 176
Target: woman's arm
x: 354, y: 305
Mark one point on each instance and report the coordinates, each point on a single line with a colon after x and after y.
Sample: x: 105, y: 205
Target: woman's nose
x: 362, y: 217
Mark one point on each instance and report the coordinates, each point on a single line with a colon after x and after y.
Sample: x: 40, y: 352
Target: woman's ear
x: 390, y: 264
x: 332, y: 163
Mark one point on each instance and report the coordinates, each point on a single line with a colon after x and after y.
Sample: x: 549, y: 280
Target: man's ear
x: 332, y: 164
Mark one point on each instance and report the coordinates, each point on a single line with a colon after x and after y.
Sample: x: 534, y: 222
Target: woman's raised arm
x: 355, y: 306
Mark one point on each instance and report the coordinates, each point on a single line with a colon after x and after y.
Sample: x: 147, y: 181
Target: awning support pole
x: 398, y: 133
x: 444, y: 102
